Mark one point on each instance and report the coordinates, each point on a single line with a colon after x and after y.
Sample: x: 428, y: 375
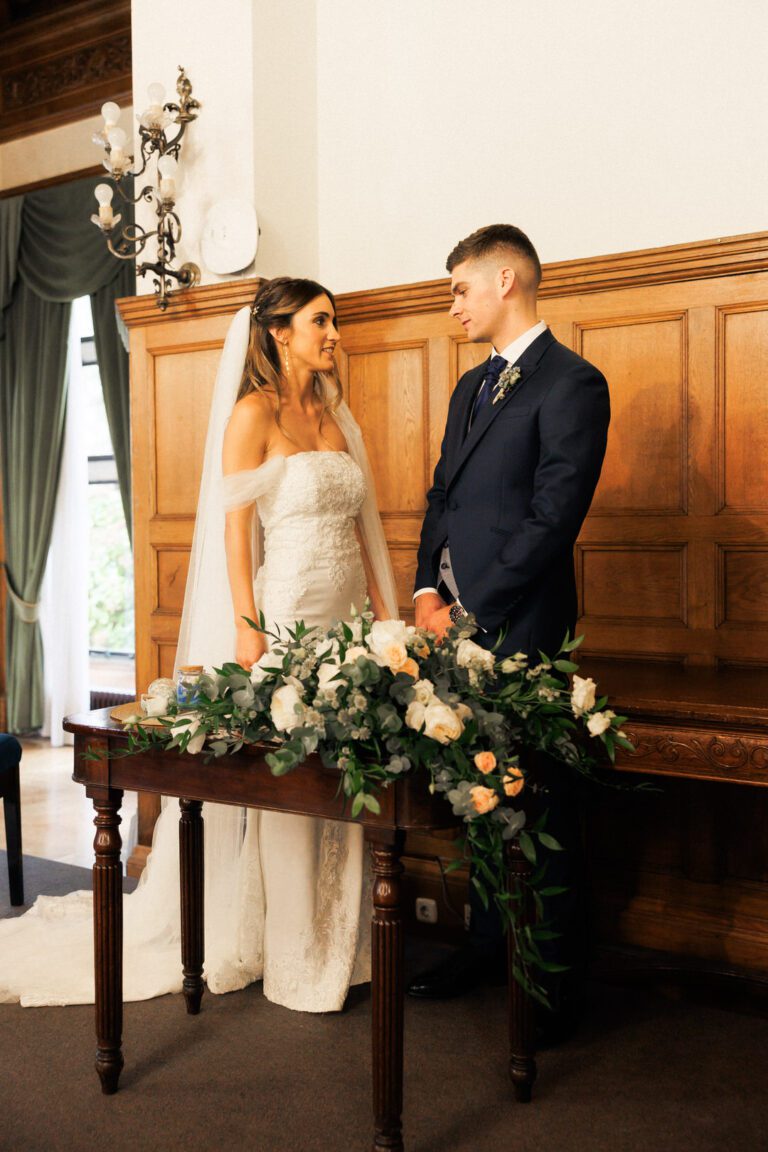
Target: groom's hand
x: 426, y: 606
x: 440, y: 621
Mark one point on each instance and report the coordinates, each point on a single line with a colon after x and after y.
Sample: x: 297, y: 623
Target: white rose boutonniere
x: 506, y: 382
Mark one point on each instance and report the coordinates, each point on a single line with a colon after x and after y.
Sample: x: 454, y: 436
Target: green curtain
x: 33, y: 364
x: 65, y: 262
x: 10, y: 234
x: 113, y: 369
x: 60, y: 256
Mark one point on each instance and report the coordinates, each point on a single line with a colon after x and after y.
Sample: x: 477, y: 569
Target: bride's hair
x: 274, y: 306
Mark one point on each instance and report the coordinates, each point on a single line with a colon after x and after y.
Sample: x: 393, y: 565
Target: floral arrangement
x: 376, y: 699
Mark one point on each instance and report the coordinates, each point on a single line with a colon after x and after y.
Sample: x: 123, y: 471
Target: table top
x: 243, y: 778
x: 655, y: 691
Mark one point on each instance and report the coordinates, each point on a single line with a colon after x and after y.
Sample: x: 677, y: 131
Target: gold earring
x: 286, y: 360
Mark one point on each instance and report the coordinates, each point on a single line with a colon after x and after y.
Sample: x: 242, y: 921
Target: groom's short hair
x: 496, y: 240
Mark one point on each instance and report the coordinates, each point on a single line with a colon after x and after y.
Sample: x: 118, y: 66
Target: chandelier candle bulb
x: 103, y: 194
x: 111, y: 113
x: 167, y: 167
x: 117, y: 159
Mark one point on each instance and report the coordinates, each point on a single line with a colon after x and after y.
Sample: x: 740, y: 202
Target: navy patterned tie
x: 485, y: 392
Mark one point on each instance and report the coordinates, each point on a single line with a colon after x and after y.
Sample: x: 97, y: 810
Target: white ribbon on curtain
x: 64, y: 593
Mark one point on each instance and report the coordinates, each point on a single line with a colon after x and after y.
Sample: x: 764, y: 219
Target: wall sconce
x: 133, y: 238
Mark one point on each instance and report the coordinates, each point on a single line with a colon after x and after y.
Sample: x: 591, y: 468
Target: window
x: 110, y: 566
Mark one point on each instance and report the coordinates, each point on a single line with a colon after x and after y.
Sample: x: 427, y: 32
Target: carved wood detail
x: 696, y: 753
x: 58, y: 67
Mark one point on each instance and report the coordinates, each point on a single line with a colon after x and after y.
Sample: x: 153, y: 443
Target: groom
x: 521, y: 456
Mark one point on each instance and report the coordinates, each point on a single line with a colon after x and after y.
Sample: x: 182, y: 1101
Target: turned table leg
x: 192, y: 883
x: 108, y: 937
x: 522, y: 1022
x: 387, y: 991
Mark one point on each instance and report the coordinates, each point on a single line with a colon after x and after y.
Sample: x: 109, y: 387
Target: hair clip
x: 255, y: 309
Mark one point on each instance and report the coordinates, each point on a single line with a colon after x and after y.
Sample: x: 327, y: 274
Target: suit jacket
x: 510, y: 496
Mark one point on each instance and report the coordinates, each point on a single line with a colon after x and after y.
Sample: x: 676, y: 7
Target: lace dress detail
x: 312, y: 563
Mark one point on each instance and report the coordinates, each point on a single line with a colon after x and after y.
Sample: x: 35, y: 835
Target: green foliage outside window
x: 110, y: 592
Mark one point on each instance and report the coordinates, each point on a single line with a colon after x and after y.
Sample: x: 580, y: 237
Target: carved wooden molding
x: 696, y: 753
x: 702, y: 260
x: 58, y: 67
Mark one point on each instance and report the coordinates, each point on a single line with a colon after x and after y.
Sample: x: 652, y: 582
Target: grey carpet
x: 45, y: 878
x: 645, y: 1074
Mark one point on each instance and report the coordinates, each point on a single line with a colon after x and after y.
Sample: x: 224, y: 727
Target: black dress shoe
x: 458, y: 973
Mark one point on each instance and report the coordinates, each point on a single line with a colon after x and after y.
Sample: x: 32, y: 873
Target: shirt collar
x: 514, y: 351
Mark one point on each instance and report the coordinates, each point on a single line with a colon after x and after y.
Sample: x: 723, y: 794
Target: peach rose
x: 513, y: 781
x: 484, y: 799
x: 410, y: 667
x: 485, y: 762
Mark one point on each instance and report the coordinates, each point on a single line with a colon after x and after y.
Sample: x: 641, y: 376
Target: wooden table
x: 311, y: 790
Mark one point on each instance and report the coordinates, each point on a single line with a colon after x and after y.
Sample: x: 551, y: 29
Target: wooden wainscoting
x: 672, y: 562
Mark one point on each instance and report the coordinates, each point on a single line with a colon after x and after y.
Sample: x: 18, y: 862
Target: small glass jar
x: 188, y: 685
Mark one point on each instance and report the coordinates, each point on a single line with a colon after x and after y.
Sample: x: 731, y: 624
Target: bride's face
x: 313, y: 335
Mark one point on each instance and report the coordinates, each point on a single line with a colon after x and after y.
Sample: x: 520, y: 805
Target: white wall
x: 53, y: 153
x: 597, y: 126
x: 214, y: 44
x: 285, y: 129
x: 252, y: 66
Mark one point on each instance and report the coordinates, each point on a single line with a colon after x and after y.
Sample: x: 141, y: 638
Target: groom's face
x: 478, y: 298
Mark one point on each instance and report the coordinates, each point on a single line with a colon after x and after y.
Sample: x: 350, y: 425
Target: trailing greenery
x: 376, y: 699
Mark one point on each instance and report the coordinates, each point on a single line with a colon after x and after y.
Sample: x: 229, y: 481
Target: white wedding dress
x: 285, y: 896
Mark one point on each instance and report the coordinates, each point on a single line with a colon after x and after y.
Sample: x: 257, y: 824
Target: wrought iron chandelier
x: 155, y: 123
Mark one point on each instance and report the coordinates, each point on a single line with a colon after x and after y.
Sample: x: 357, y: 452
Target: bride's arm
x: 377, y: 604
x: 245, y: 442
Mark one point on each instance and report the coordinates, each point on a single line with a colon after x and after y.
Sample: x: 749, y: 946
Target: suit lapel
x: 528, y: 363
x: 464, y: 401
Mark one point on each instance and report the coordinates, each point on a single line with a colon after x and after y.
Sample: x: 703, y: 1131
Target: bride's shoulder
x: 248, y: 430
x: 254, y: 413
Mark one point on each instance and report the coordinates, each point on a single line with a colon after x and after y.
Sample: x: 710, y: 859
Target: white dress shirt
x: 511, y: 354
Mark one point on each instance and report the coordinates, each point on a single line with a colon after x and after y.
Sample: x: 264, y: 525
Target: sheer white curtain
x: 64, y: 595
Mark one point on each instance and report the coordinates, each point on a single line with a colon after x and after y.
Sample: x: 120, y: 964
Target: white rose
x: 471, y: 655
x: 385, y: 633
x: 600, y: 722
x: 582, y: 695
x: 328, y: 675
x: 464, y: 712
x: 425, y: 691
x: 328, y: 646
x: 283, y: 709
x: 414, y: 716
x: 198, y: 735
x: 442, y: 723
x: 360, y: 650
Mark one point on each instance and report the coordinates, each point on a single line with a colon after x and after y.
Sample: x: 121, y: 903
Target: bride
x: 287, y: 520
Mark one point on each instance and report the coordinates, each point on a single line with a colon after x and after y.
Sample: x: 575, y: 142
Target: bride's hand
x: 251, y: 645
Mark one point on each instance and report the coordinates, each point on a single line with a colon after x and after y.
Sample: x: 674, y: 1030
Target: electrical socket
x: 426, y: 910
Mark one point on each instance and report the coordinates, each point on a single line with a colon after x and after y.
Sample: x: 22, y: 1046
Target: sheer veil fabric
x: 316, y: 941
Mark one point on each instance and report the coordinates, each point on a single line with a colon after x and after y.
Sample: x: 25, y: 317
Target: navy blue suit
x: 511, y: 494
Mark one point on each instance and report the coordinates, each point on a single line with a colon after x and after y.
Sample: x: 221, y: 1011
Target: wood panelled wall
x: 672, y: 562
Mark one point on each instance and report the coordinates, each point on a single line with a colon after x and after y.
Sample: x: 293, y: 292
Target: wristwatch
x: 456, y: 612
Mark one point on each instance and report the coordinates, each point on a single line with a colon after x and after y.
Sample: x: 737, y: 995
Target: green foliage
x: 110, y: 586
x: 377, y: 699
